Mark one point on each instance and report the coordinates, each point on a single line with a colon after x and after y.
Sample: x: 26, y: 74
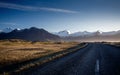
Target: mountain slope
x: 66, y: 33
x: 6, y: 30
x: 62, y: 33
x: 32, y: 34
x: 97, y: 36
x: 80, y: 33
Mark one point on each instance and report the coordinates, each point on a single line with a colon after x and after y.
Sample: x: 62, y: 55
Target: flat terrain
x: 16, y: 51
x: 114, y: 43
x: 94, y: 59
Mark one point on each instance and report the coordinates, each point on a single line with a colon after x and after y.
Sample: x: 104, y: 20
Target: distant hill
x: 96, y: 36
x: 63, y: 33
x: 66, y: 33
x: 6, y: 30
x: 36, y: 34
x: 31, y: 34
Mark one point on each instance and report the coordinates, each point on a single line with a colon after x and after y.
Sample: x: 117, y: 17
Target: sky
x: 58, y: 15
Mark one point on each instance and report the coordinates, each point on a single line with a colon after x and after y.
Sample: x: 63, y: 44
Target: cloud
x: 31, y: 8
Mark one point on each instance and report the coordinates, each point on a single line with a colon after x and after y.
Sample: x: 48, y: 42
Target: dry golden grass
x: 116, y: 44
x: 113, y: 43
x: 14, y: 51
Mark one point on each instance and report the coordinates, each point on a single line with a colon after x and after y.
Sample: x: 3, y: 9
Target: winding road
x: 94, y: 59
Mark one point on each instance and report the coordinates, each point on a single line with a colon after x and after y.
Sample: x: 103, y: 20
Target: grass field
x: 113, y: 43
x: 116, y: 44
x: 17, y: 51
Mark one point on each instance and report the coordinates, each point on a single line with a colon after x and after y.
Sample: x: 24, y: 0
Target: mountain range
x: 63, y: 33
x: 86, y: 36
x: 67, y: 33
x: 6, y: 30
x: 31, y: 34
x: 36, y: 34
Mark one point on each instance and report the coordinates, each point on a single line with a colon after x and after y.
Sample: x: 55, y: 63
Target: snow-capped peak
x: 18, y: 28
x: 63, y: 33
x: 7, y: 30
x: 0, y: 30
x: 98, y: 31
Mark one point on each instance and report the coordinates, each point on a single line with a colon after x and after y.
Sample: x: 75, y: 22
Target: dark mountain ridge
x: 31, y: 34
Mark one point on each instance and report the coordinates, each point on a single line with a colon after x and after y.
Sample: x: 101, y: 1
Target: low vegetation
x: 117, y: 44
x: 14, y: 52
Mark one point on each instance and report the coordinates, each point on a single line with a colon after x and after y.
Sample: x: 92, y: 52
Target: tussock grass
x: 117, y: 44
x: 19, y: 51
x: 51, y: 57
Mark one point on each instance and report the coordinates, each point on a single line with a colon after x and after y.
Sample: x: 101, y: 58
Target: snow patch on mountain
x: 18, y: 29
x: 85, y: 33
x: 7, y: 30
x: 62, y: 33
x: 81, y: 33
x: 110, y: 33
